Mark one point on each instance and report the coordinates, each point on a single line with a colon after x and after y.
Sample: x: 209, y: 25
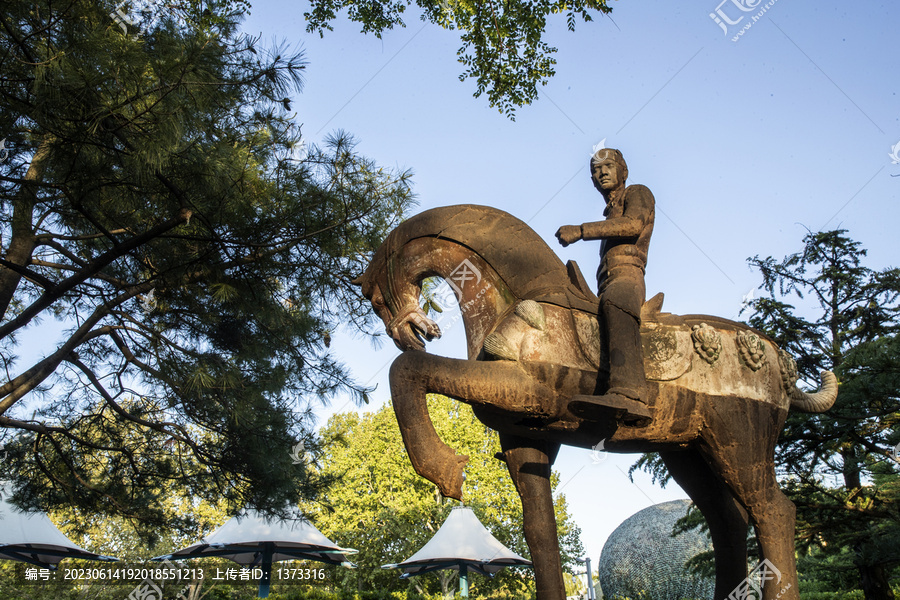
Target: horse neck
x: 482, y: 295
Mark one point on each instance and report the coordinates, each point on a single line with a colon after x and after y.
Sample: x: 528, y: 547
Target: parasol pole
x: 266, y: 579
x: 463, y: 581
x: 463, y: 570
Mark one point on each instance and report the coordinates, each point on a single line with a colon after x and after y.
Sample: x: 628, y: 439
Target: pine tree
x: 839, y: 467
x: 160, y: 203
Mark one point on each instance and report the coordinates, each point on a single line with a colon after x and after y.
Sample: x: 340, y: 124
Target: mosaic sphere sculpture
x: 641, y: 559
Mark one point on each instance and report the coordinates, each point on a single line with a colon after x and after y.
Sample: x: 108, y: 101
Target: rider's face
x: 606, y: 175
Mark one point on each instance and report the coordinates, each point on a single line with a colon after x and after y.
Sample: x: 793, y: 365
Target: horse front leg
x: 529, y: 463
x: 501, y: 385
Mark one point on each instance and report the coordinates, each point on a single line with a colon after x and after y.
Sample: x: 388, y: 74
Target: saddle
x: 582, y: 297
x: 666, y: 341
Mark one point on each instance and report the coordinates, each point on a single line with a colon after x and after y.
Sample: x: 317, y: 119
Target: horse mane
x: 525, y: 263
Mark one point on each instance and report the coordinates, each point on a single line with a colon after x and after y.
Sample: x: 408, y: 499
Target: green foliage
x: 853, y: 304
x: 385, y: 510
x: 817, y: 590
x: 652, y: 463
x: 851, y: 595
x: 503, y: 45
x: 129, y: 539
x: 322, y: 594
x: 837, y: 466
x: 160, y: 203
x: 827, y: 571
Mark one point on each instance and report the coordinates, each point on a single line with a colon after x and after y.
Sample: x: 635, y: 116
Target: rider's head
x: 608, y: 170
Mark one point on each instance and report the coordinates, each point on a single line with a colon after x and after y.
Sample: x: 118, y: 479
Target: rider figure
x: 620, y: 279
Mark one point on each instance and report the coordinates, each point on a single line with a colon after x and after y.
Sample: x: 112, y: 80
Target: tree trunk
x: 851, y: 469
x: 446, y: 579
x: 22, y: 238
x: 874, y: 581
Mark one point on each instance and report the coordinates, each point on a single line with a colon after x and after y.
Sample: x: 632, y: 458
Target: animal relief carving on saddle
x: 667, y: 351
x: 751, y: 349
x: 707, y: 342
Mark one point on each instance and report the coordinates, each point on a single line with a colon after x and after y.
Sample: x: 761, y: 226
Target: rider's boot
x: 625, y: 399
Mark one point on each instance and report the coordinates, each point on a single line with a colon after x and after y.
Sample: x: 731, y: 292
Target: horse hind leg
x: 739, y: 444
x: 529, y: 463
x: 726, y: 518
x: 774, y: 518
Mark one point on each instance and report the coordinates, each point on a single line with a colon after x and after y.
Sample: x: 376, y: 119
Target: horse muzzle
x: 411, y: 328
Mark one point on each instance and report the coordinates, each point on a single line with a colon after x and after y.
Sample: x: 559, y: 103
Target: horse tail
x: 819, y: 401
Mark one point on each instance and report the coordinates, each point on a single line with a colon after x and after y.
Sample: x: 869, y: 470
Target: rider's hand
x: 568, y: 234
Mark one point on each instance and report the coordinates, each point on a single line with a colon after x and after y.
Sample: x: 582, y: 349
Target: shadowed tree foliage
x: 173, y: 258
x: 839, y: 467
x: 384, y: 509
x: 503, y: 45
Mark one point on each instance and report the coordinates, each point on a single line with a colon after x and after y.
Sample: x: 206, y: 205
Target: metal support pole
x: 463, y: 581
x: 592, y: 595
x: 266, y: 579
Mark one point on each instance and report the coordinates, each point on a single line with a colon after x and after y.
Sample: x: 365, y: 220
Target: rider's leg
x: 626, y: 359
x: 621, y: 298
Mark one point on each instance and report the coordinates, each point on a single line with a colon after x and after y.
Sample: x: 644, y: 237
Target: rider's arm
x: 638, y: 208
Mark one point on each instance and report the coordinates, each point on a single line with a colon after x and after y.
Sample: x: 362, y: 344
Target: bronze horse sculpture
x: 720, y: 391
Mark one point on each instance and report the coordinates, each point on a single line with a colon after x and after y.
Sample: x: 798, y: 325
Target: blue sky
x: 745, y: 144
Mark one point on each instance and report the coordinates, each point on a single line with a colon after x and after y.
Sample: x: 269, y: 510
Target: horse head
x: 395, y: 300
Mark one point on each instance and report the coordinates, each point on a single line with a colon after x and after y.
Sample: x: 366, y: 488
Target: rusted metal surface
x: 714, y: 421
